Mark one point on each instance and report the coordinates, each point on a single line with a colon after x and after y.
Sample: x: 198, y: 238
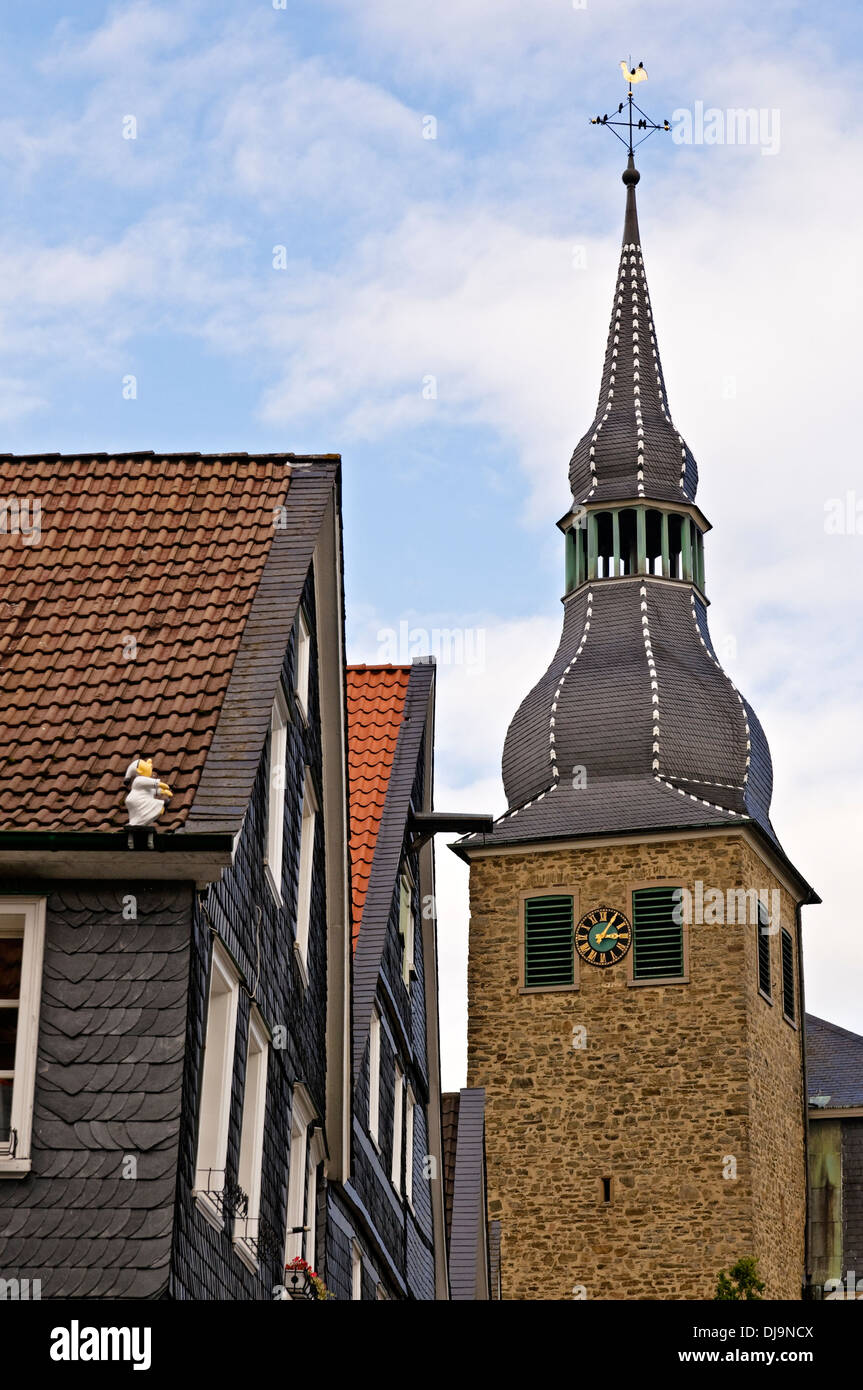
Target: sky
x: 389, y: 231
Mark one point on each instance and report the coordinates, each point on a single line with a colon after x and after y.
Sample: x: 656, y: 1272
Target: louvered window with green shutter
x: 548, y: 942
x: 788, y: 976
x: 763, y: 951
x: 657, y: 938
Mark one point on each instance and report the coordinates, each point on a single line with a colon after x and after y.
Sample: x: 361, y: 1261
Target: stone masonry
x: 677, y: 1087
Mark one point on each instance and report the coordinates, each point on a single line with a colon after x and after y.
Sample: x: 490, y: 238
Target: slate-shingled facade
x: 385, y: 1226
x: 207, y: 563
x: 834, y: 1063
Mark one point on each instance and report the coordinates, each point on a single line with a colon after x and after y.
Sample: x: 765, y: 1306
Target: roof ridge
x: 834, y: 1027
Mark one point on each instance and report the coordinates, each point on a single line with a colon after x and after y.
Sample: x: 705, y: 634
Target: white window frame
x: 398, y: 1125
x: 214, y: 1111
x: 356, y: 1271
x: 304, y: 647
x: 276, y: 776
x: 27, y: 1032
x: 375, y: 1077
x: 301, y: 1194
x: 410, y: 1119
x: 406, y: 923
x: 314, y: 1157
x: 252, y: 1133
x: 307, y: 864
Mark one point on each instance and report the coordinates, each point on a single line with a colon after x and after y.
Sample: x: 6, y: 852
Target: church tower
x: 635, y: 976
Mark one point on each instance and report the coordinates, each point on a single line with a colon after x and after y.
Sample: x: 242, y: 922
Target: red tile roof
x: 167, y: 551
x: 376, y: 701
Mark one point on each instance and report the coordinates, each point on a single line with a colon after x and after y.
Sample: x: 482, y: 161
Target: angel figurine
x: 147, y: 795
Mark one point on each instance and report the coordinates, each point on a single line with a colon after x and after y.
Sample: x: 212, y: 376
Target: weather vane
x: 629, y: 122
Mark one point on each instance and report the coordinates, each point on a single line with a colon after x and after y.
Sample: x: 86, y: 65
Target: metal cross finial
x: 629, y: 122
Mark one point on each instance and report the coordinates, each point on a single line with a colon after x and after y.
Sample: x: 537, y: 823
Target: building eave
x: 768, y: 849
x: 660, y: 504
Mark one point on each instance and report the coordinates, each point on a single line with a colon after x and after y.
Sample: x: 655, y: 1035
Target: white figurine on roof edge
x: 147, y: 795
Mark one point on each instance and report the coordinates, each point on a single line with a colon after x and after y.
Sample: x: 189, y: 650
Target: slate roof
x: 468, y: 1227
x: 834, y: 1063
x: 376, y: 702
x: 632, y: 448
x: 164, y: 551
x: 387, y: 852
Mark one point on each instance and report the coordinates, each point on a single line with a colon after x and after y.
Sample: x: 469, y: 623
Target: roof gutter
x: 115, y: 854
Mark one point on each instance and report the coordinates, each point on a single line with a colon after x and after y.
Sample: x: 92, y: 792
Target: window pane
x: 8, y: 1032
x: 5, y: 1109
x: 11, y: 951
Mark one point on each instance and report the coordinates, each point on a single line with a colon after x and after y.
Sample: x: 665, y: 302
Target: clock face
x: 603, y: 936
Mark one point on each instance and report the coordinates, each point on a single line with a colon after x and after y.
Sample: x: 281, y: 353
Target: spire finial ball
x: 630, y: 174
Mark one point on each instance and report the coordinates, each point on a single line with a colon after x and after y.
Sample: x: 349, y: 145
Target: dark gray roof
x: 387, y: 857
x: 582, y: 756
x: 468, y: 1246
x: 834, y: 1063
x: 232, y: 761
x: 632, y: 448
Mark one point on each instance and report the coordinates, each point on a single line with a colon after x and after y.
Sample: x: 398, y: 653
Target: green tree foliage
x: 739, y: 1282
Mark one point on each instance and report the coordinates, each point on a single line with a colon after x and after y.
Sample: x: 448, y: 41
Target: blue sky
x: 484, y: 259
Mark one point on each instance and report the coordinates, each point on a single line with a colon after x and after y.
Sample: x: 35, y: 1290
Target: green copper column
x: 699, y: 559
x: 615, y: 544
x: 686, y: 537
x: 666, y: 554
x: 571, y: 556
x: 592, y: 545
x: 641, y: 530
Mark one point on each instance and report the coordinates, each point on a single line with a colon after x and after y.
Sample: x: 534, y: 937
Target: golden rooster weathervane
x: 631, y: 76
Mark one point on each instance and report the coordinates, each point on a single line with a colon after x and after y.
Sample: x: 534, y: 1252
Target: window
x: 374, y: 1074
x: 657, y: 950
x: 548, y: 942
x: 410, y: 1112
x: 276, y: 794
x: 254, y: 1111
x: 22, y: 941
x: 356, y: 1271
x: 406, y: 925
x: 216, y: 1082
x: 764, y: 982
x: 307, y: 854
x: 306, y: 1153
x: 788, y: 1004
x: 398, y: 1105
x: 303, y: 653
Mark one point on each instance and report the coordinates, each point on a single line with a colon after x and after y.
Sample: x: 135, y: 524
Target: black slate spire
x: 632, y: 449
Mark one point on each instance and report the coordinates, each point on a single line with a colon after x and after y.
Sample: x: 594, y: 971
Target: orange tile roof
x: 165, y: 551
x: 376, y: 701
